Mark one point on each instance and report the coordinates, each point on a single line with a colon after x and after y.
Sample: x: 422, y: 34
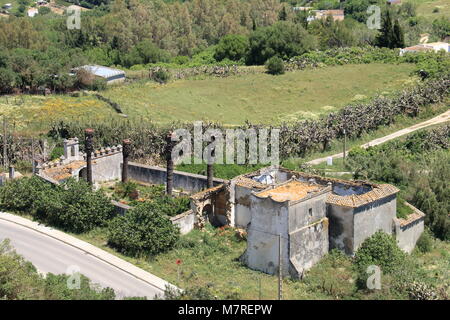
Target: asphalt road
x: 51, y: 255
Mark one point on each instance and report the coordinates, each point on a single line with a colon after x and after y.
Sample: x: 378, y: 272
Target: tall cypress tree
x: 283, y: 14
x: 399, y: 36
x: 386, y: 37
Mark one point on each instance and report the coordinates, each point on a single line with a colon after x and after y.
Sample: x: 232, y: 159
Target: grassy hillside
x: 259, y: 97
x: 425, y: 8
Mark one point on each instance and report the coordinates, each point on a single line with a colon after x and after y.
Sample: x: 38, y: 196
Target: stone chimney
x: 89, y: 133
x: 169, y: 160
x: 12, y: 172
x: 126, y: 150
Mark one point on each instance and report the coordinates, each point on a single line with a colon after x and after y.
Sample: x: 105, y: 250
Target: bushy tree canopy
x: 233, y: 47
x: 283, y: 39
x: 143, y: 230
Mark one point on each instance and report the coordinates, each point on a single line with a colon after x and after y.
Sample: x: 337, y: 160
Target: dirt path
x: 444, y: 117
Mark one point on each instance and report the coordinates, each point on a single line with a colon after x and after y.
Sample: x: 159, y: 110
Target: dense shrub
x: 172, y: 206
x: 20, y: 195
x: 425, y: 242
x: 8, y: 80
x: 144, y: 230
x: 145, y: 52
x: 233, y: 47
x: 332, y: 276
x: 275, y: 66
x: 161, y: 76
x: 418, y: 290
x: 380, y: 250
x: 283, y: 39
x: 72, y: 206
x: 190, y: 293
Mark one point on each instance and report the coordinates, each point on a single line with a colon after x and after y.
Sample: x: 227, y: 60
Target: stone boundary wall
x: 183, y: 181
x: 120, y: 208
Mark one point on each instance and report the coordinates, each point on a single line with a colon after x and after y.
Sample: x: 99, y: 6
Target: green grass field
x: 260, y: 98
x: 425, y: 8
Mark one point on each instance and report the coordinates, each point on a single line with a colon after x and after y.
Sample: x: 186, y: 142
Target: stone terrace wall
x: 184, y: 181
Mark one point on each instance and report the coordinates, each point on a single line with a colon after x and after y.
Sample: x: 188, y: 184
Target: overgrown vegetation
x: 144, y: 230
x: 420, y: 166
x: 133, y: 194
x: 72, y: 206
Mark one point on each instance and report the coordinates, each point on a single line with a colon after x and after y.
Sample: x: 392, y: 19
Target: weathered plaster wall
x: 107, y: 168
x: 181, y: 180
x: 307, y: 246
x: 408, y: 235
x: 340, y: 228
x: 184, y: 221
x: 242, y: 206
x: 306, y: 212
x: 308, y: 233
x: 269, y: 219
x: 378, y: 215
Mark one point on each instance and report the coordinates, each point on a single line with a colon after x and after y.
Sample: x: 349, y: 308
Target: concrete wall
x: 184, y: 221
x: 307, y: 246
x: 378, y: 215
x: 269, y: 219
x: 340, y: 228
x: 408, y: 235
x: 120, y: 208
x: 307, y: 212
x: 308, y: 233
x: 185, y: 181
x: 107, y: 168
x: 242, y: 206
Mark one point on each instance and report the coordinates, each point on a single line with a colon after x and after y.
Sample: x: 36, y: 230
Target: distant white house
x: 32, y: 12
x: 432, y: 46
x: 337, y: 15
x: 111, y: 75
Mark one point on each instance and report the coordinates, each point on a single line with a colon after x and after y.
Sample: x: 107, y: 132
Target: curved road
x: 51, y: 255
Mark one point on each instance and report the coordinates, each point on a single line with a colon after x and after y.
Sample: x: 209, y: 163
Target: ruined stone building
x: 107, y: 164
x: 311, y: 214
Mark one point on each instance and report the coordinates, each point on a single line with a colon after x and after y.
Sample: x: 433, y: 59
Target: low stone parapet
x: 409, y: 230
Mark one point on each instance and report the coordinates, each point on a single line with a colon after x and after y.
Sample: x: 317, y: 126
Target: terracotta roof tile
x: 353, y: 201
x: 416, y: 215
